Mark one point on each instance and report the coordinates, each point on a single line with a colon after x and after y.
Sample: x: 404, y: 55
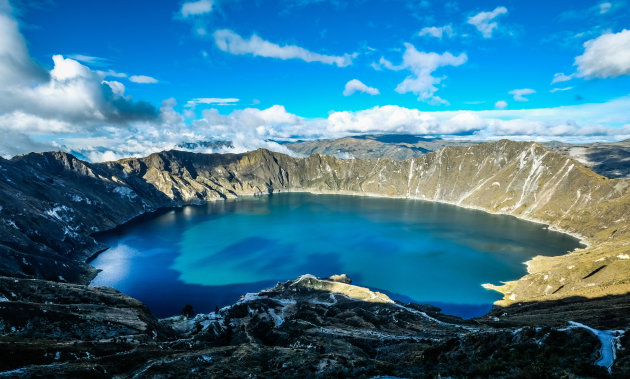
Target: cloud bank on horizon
x: 430, y: 79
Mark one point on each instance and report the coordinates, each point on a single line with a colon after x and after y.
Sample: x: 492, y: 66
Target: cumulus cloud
x: 422, y: 65
x: 356, y: 85
x: 570, y: 123
x: 196, y: 8
x: 485, y: 21
x: 607, y: 56
x: 519, y: 94
x: 501, y: 104
x: 395, y: 119
x: 69, y: 98
x: 437, y: 31
x: 143, y: 79
x: 88, y: 112
x: 251, y: 128
x: 230, y: 42
x: 73, y: 95
x: 561, y: 77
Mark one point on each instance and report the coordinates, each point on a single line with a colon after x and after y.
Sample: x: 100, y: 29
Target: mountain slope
x: 611, y: 159
x: 64, y: 199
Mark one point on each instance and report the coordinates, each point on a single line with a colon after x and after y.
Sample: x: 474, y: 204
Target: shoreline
x: 488, y: 286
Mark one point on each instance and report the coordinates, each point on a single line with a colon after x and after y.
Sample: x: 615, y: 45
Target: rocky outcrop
x: 51, y: 202
x: 308, y: 327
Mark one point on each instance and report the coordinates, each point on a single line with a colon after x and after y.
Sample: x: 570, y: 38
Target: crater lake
x: 412, y: 250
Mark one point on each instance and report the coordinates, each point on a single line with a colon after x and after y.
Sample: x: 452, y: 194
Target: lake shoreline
x: 392, y: 216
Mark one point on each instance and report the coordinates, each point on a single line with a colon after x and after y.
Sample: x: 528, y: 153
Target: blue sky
x: 158, y: 73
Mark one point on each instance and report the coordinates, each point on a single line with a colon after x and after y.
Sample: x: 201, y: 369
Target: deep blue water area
x: 210, y: 255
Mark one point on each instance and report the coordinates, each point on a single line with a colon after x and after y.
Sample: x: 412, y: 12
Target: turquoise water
x: 413, y: 250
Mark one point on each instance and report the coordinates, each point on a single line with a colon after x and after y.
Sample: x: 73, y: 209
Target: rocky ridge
x: 52, y: 202
x: 610, y: 159
x: 308, y: 327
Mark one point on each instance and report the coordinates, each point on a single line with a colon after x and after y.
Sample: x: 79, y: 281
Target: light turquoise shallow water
x: 421, y: 251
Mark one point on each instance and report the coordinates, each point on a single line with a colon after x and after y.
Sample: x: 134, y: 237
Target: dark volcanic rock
x: 304, y: 328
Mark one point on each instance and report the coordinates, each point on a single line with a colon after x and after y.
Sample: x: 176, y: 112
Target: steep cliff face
x: 57, y: 200
x: 611, y: 159
x: 50, y: 203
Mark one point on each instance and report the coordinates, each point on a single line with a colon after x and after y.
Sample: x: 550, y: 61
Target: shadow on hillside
x: 609, y: 312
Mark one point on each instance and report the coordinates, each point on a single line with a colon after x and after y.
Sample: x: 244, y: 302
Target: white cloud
x: 570, y: 123
x: 117, y: 87
x: 561, y: 77
x: 604, y: 7
x: 485, y: 21
x: 212, y: 100
x: 73, y: 96
x: 195, y: 12
x: 394, y: 119
x: 519, y: 94
x: 74, y: 108
x: 607, y: 56
x: 252, y: 128
x: 196, y: 8
x: 565, y: 123
x: 422, y: 65
x: 230, y: 42
x: 88, y: 59
x: 111, y: 73
x: 70, y: 98
x: 501, y: 104
x: 437, y: 31
x: 560, y: 89
x: 356, y: 85
x: 143, y: 79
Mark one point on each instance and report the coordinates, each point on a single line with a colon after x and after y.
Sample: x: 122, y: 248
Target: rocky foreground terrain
x: 52, y: 324
x: 308, y: 327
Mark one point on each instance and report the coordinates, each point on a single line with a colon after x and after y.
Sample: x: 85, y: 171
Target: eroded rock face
x: 51, y: 202
x: 610, y: 159
x: 308, y: 327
